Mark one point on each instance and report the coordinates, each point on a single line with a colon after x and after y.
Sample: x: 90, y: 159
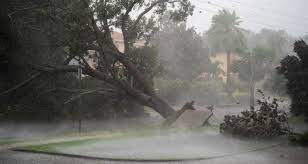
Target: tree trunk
x: 151, y: 100
x: 161, y: 106
x: 174, y: 117
x: 252, y: 95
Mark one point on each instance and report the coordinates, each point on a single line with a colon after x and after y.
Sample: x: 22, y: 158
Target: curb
x: 108, y: 159
x: 142, y: 160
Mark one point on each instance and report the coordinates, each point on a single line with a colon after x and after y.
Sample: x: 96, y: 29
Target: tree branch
x: 27, y: 9
x: 124, y: 26
x: 98, y: 91
x: 21, y: 84
x: 56, y: 69
x: 148, y: 10
x: 113, y: 51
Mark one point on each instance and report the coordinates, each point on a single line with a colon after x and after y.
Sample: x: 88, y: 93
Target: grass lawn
x: 50, y: 147
x: 153, y: 144
x: 8, y: 141
x: 109, y: 136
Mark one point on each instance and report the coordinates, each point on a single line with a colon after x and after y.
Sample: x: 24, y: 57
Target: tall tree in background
x: 279, y: 41
x: 226, y: 35
x: 252, y: 67
x: 181, y: 51
x: 281, y: 45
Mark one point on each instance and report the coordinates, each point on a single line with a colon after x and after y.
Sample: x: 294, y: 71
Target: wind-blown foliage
x: 225, y: 33
x: 279, y: 41
x: 181, y: 51
x: 295, y: 70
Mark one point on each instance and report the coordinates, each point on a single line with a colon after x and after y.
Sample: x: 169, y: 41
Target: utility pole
x: 252, y: 81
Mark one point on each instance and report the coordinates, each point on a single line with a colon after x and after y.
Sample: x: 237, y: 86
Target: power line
x: 207, y: 10
x: 280, y: 12
x: 254, y: 22
x: 253, y: 15
x: 215, y: 12
x: 271, y: 13
x: 210, y: 2
x: 258, y: 23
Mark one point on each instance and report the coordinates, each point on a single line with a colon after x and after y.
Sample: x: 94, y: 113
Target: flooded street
x: 197, y: 146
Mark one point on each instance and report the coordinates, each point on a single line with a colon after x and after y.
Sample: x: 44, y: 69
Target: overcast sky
x: 289, y: 15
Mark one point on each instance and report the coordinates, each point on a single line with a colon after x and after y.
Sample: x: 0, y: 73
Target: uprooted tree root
x: 265, y: 122
x: 176, y: 115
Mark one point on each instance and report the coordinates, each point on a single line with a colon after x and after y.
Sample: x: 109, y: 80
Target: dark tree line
x: 28, y: 43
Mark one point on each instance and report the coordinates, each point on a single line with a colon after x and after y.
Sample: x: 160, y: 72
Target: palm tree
x: 226, y: 35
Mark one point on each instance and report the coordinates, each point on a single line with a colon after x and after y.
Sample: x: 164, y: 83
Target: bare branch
x: 132, y: 5
x: 146, y: 11
x: 21, y: 84
x: 149, y: 9
x: 60, y: 89
x: 27, y: 9
x: 96, y: 91
x: 56, y: 69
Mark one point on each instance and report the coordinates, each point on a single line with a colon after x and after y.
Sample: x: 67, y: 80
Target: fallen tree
x: 172, y: 118
x: 84, y: 30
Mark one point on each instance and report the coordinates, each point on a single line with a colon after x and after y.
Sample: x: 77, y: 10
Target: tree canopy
x: 225, y: 33
x: 182, y: 51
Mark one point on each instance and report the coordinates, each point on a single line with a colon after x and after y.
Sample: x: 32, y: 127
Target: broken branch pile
x: 268, y: 121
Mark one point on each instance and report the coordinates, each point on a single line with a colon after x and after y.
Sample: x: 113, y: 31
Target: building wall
x: 222, y: 58
x: 118, y: 40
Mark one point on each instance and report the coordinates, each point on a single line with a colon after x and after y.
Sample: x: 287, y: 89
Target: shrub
x: 267, y: 121
x: 295, y: 70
